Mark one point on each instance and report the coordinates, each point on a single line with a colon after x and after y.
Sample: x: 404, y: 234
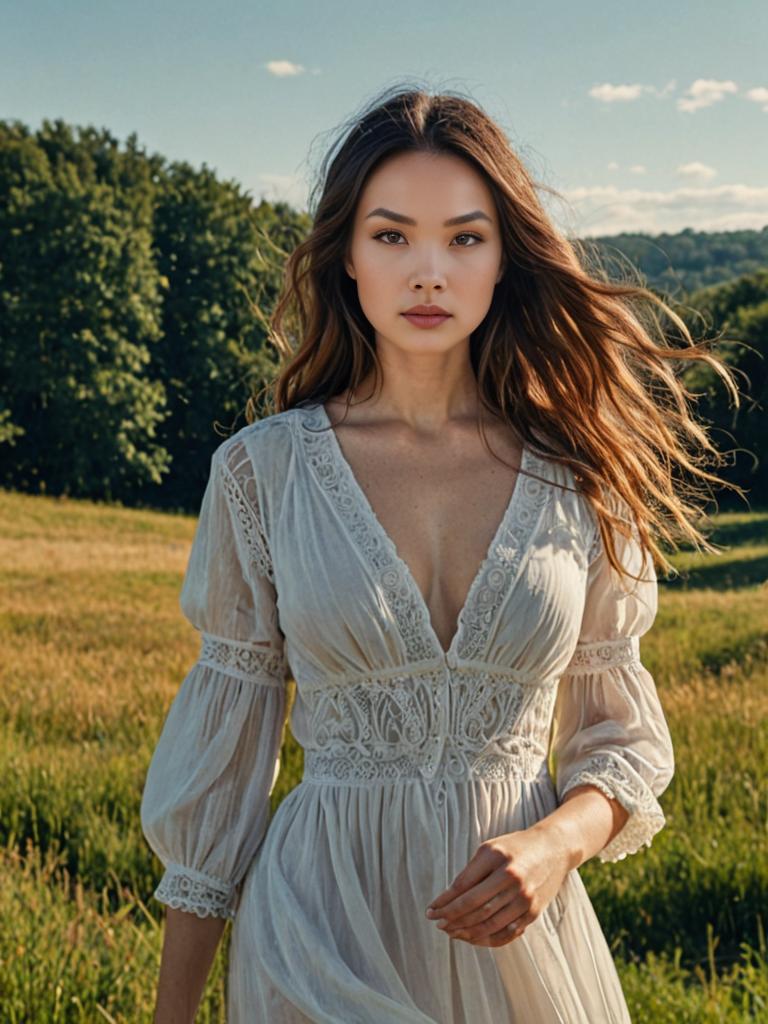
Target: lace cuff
x: 614, y: 777
x: 186, y: 889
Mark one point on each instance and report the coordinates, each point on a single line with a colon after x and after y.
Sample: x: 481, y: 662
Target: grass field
x: 94, y: 647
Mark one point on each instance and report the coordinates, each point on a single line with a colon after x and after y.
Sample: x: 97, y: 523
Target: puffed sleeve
x: 205, y: 804
x: 609, y: 728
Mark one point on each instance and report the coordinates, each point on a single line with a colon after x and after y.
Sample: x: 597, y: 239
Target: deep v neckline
x: 410, y: 581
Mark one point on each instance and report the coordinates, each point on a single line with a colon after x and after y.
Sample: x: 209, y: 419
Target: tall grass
x: 94, y: 649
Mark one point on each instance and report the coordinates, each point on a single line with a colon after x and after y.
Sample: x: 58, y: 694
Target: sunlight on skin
x: 512, y: 878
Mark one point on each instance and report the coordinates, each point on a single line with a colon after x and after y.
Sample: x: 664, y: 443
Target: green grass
x: 95, y: 649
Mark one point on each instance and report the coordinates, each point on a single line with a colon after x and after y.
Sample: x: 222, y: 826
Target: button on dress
x: 413, y: 755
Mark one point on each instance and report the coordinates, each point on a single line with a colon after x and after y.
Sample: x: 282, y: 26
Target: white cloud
x: 613, y: 166
x: 758, y: 95
x: 704, y: 92
x: 608, y: 93
x: 283, y: 68
x: 608, y: 209
x: 696, y: 171
x: 638, y: 169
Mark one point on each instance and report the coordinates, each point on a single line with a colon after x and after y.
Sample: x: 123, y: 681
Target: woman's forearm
x: 585, y: 822
x: 189, y: 946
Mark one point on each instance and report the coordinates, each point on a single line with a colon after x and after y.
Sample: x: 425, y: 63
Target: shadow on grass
x: 681, y: 920
x: 730, y: 575
x: 745, y: 532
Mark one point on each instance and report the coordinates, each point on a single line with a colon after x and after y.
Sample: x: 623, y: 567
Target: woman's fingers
x: 503, y: 901
x: 496, y: 933
x: 479, y: 902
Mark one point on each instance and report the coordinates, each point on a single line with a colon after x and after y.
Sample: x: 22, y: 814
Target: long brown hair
x: 577, y: 365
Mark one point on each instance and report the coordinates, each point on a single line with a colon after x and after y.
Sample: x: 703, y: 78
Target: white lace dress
x: 412, y: 755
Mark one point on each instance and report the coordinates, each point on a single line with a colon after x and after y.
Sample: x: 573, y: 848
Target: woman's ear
x: 348, y: 266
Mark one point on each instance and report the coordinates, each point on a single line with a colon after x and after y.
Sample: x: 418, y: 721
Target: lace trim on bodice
x: 612, y: 775
x: 492, y: 581
x: 602, y: 654
x: 340, y: 489
x: 240, y: 488
x: 251, y: 662
x: 502, y: 564
x: 458, y: 725
x: 184, y: 888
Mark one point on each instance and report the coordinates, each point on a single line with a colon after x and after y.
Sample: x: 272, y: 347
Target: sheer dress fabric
x: 413, y: 755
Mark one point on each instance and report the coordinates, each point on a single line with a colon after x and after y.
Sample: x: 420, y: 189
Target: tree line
x: 133, y: 301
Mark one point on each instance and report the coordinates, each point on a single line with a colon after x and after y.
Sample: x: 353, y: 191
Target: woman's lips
x: 423, y: 320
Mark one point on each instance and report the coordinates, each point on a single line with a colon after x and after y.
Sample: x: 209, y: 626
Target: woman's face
x: 399, y: 265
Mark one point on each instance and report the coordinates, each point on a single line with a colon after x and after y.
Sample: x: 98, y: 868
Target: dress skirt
x: 332, y: 928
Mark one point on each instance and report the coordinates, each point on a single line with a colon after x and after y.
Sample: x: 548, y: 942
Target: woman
x: 462, y: 621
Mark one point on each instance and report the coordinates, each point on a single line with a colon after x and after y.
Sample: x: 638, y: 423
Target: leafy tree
x: 739, y: 311
x: 79, y: 313
x: 215, y: 254
x: 133, y: 303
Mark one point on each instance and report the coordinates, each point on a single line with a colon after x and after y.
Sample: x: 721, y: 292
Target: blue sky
x: 649, y: 117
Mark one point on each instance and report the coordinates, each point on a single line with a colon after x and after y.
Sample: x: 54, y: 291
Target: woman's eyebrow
x: 380, y: 211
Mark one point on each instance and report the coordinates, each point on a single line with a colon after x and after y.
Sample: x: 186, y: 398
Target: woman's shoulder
x: 569, y: 508
x: 264, y: 444
x: 553, y: 468
x: 258, y: 457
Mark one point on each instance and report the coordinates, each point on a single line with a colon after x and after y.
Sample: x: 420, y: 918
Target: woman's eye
x: 381, y: 234
x: 464, y: 234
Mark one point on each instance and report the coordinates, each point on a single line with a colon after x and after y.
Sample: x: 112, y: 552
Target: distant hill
x: 682, y: 263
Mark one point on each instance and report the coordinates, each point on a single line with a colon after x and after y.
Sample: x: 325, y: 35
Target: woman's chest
x: 349, y: 600
x: 439, y: 506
